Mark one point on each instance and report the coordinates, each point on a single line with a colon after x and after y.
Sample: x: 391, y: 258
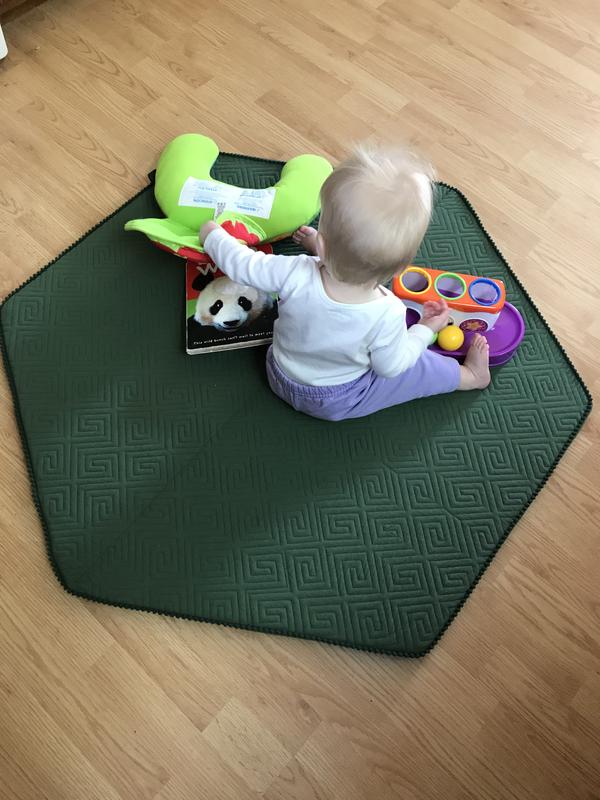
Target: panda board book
x: 222, y: 314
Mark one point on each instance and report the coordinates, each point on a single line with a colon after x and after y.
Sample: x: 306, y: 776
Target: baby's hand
x: 435, y: 315
x: 205, y: 230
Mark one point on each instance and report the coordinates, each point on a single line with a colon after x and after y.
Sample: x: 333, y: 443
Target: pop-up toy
x: 477, y: 305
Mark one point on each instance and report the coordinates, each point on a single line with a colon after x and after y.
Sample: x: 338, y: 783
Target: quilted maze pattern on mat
x: 180, y: 484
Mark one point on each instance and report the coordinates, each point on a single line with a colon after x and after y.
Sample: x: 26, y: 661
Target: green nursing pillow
x: 189, y: 197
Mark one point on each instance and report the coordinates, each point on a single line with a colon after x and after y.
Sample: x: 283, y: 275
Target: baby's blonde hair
x: 375, y: 209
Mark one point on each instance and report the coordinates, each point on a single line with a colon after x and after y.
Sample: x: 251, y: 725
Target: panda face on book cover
x: 228, y: 305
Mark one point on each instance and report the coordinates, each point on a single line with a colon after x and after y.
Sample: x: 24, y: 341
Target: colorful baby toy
x: 189, y: 197
x: 477, y: 305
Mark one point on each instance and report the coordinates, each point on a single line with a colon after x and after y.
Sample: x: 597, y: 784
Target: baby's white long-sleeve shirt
x: 316, y: 340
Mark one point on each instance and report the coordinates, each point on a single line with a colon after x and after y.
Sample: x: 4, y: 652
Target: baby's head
x: 375, y: 209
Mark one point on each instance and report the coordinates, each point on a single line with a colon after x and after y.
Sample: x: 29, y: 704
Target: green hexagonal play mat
x: 181, y: 485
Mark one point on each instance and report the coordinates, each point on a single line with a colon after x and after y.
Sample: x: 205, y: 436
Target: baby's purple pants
x: 432, y: 374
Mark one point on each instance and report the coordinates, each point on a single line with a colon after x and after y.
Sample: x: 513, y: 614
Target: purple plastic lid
x: 506, y: 336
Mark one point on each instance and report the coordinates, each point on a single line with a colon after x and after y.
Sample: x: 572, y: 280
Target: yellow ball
x: 450, y: 338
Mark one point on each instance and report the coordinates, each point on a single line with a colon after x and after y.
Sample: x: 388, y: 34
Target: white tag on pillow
x: 208, y: 194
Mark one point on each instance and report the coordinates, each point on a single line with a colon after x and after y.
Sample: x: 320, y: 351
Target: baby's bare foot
x: 306, y: 237
x: 475, y: 372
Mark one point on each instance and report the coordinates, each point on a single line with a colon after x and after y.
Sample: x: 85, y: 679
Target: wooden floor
x: 504, y: 95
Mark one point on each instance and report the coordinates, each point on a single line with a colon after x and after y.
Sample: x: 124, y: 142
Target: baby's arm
x: 396, y: 349
x: 244, y: 265
x: 400, y: 350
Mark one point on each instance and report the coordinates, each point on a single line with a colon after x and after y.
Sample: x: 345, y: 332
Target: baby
x: 341, y: 348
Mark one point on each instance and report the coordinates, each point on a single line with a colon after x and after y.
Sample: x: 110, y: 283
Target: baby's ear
x: 201, y: 281
x: 425, y: 189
